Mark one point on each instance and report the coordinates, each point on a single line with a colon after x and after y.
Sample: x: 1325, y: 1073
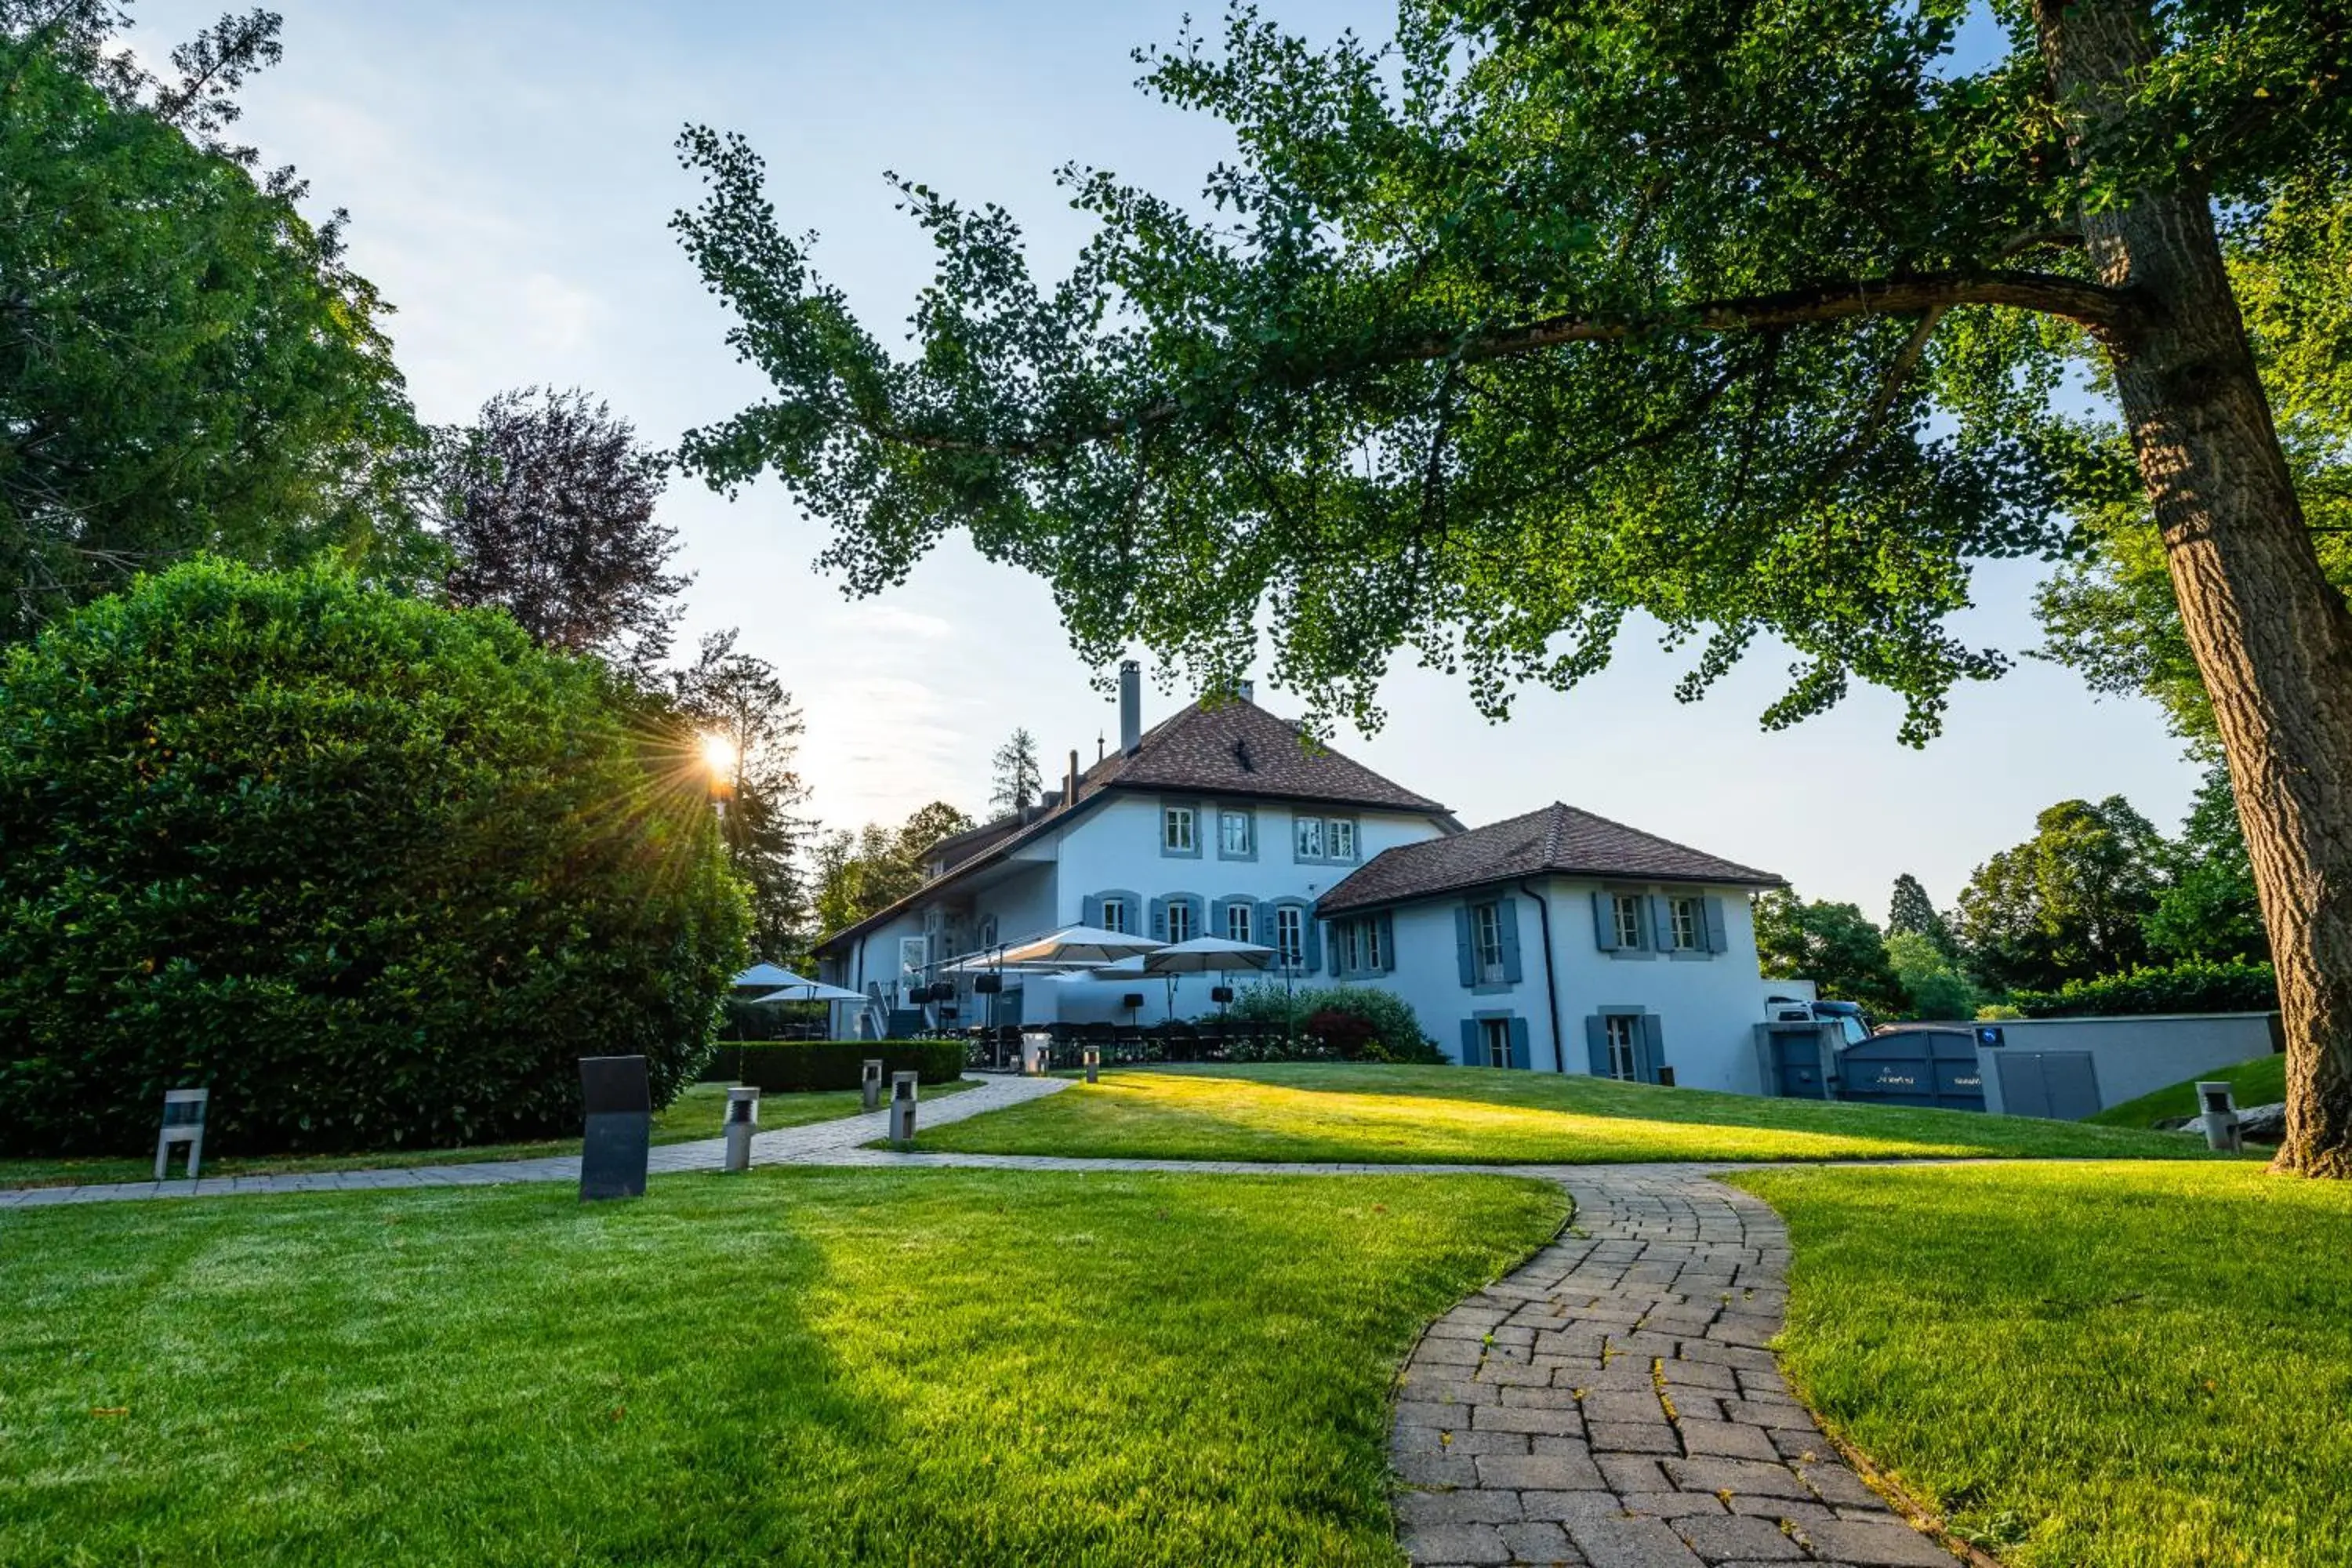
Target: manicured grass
x: 2090, y: 1366
x: 697, y: 1113
x: 2262, y: 1082
x: 791, y: 1367
x: 1475, y: 1115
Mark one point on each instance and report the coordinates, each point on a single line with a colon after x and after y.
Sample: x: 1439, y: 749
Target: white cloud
x: 558, y: 315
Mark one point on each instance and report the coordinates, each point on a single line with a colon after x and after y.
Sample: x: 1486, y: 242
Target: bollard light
x: 742, y: 1121
x: 2218, y: 1115
x: 871, y: 1082
x: 902, y: 1107
x: 183, y: 1122
x: 1093, y: 1062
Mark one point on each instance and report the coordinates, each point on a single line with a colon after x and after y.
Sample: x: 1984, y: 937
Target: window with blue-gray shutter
x: 1662, y: 918
x: 1182, y: 917
x: 1718, y: 941
x: 1605, y: 921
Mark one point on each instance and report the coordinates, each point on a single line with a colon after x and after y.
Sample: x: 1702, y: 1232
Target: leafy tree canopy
x: 549, y: 516
x: 862, y: 874
x: 1912, y: 912
x: 2067, y: 903
x: 1745, y: 319
x: 1833, y: 945
x: 186, y: 363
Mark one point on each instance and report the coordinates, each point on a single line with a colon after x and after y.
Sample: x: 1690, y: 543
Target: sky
x: 510, y: 169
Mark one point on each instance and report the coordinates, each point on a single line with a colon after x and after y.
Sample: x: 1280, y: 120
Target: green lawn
x: 1475, y: 1115
x: 791, y: 1367
x: 2262, y: 1082
x: 2090, y: 1365
x: 695, y: 1114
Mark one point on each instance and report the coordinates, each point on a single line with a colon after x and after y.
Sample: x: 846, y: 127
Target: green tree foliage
x: 862, y: 874
x: 1833, y: 945
x: 1750, y: 320
x: 1932, y: 984
x: 2112, y: 614
x: 186, y: 363
x: 1912, y: 912
x: 548, y: 503
x: 2206, y: 908
x: 2069, y: 903
x: 731, y: 693
x: 1017, y: 783
x: 375, y: 871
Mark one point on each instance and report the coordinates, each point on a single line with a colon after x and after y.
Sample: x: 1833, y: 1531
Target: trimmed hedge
x: 784, y: 1066
x: 2192, y: 986
x: 1388, y: 1030
x: 375, y: 872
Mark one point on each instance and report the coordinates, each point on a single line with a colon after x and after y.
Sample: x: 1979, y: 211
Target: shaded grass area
x: 2262, y: 1082
x: 695, y: 1113
x: 789, y: 1367
x: 2088, y: 1366
x: 1475, y: 1115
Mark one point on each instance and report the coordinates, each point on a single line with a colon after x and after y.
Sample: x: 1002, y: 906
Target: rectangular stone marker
x: 183, y: 1122
x: 620, y: 1128
x: 870, y: 1080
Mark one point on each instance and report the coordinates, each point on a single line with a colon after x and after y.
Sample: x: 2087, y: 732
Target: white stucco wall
x: 1707, y: 1003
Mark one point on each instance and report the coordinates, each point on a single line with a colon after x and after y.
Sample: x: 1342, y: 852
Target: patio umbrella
x: 766, y: 975
x: 807, y: 991
x: 1081, y: 945
x: 1204, y: 955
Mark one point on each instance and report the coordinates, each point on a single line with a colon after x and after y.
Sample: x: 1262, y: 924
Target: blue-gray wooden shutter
x: 1090, y: 910
x: 1661, y: 922
x: 1507, y: 912
x: 1596, y: 1044
x: 1200, y: 912
x: 1462, y: 947
x: 1473, y: 1049
x: 1521, y: 1056
x: 1711, y: 908
x: 1654, y: 1047
x: 1605, y: 920
x: 1159, y: 919
x: 1387, y: 945
x: 1310, y: 935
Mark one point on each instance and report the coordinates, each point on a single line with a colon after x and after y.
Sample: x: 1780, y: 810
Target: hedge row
x: 2191, y: 987
x: 784, y: 1066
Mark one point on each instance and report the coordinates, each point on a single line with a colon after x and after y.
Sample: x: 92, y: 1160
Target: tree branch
x: 2102, y: 311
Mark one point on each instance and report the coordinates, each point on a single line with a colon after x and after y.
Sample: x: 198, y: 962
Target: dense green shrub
x: 375, y: 872
x: 1395, y: 1033
x: 783, y: 1066
x: 2187, y: 987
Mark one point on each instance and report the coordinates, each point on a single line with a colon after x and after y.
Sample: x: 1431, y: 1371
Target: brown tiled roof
x: 1558, y: 839
x: 1237, y: 748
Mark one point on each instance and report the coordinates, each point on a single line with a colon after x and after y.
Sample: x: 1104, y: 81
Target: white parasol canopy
x: 1081, y: 945
x: 1207, y: 955
x: 766, y: 975
x: 807, y: 991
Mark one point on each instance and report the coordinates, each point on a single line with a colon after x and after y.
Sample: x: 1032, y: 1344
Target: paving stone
x: 1464, y: 1543
x: 1780, y: 1508
x: 1631, y: 1544
x: 1539, y: 1541
x: 1672, y: 1505
x: 1872, y: 1544
x: 1735, y: 1476
x: 1632, y: 1437
x: 1524, y: 1419
x: 1726, y: 1439
x: 1839, y: 1487
x: 1539, y: 1472
x: 1564, y: 1506
x: 1726, y: 1537
x: 1465, y: 1505
x: 1622, y: 1406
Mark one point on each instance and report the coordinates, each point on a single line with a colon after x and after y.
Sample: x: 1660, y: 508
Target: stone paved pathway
x: 1612, y: 1403
x: 818, y: 1142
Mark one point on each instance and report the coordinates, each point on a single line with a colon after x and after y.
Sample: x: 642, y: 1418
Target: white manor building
x: 1557, y: 942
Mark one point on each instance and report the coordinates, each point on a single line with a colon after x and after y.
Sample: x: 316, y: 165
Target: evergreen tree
x: 1913, y: 911
x: 1019, y: 782
x: 738, y: 697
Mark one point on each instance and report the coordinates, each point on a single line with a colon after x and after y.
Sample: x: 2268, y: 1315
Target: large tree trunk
x: 2272, y: 640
